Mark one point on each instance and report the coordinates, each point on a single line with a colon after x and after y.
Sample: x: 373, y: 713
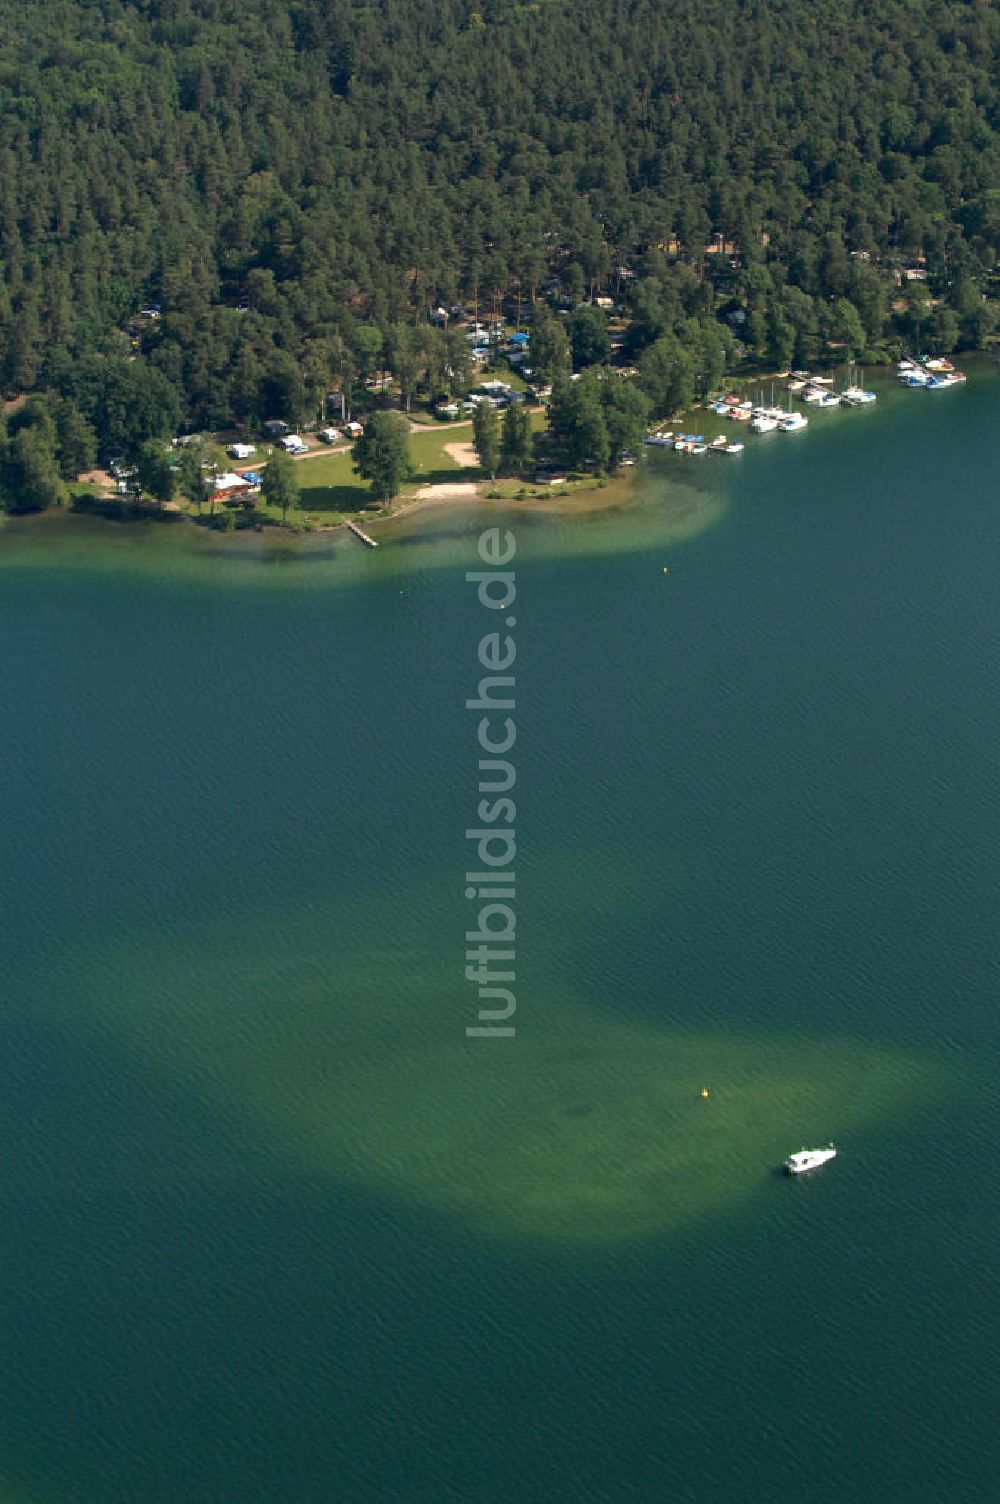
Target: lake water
x: 273, y: 1229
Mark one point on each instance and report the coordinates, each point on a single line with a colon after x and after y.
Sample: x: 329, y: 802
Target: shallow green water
x: 275, y: 1230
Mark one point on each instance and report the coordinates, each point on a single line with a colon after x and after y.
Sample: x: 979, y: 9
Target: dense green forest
x: 293, y: 185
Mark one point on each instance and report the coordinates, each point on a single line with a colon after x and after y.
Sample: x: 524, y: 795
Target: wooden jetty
x: 369, y: 542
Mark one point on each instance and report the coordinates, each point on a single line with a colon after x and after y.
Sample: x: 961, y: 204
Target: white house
x: 241, y: 451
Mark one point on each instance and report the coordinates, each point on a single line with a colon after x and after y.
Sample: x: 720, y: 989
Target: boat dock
x: 369, y: 542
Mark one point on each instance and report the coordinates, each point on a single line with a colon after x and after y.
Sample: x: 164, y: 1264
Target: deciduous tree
x: 280, y: 486
x: 382, y: 454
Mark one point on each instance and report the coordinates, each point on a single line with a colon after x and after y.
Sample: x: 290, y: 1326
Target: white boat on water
x: 736, y: 447
x: 948, y: 378
x: 763, y: 423
x: 809, y: 1159
x: 856, y: 396
x: 791, y: 422
x: 829, y: 399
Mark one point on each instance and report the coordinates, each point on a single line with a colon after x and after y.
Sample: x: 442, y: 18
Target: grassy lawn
x: 330, y: 491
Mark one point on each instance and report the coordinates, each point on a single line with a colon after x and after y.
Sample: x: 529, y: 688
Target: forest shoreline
x: 584, y: 499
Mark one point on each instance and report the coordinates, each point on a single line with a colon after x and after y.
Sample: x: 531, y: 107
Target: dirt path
x: 323, y: 449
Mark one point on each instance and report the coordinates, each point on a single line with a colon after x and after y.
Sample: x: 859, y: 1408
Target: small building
x: 275, y: 428
x: 328, y: 435
x: 229, y: 481
x: 353, y: 430
x: 293, y: 444
x: 241, y: 451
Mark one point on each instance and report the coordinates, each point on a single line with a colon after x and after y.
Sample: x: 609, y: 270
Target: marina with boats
x: 933, y: 373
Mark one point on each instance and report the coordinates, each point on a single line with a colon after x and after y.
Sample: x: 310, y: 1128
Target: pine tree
x: 626, y: 414
x: 486, y: 436
x: 516, y: 448
x: 576, y: 424
x: 549, y: 347
x: 76, y: 441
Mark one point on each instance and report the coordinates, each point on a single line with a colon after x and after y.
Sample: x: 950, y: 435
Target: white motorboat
x: 763, y: 423
x: 809, y: 1159
x: 856, y: 396
x: 792, y: 422
x: 829, y: 399
x: 736, y: 447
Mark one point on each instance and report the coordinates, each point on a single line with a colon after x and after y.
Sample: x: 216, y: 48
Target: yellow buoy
x: 704, y: 1091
